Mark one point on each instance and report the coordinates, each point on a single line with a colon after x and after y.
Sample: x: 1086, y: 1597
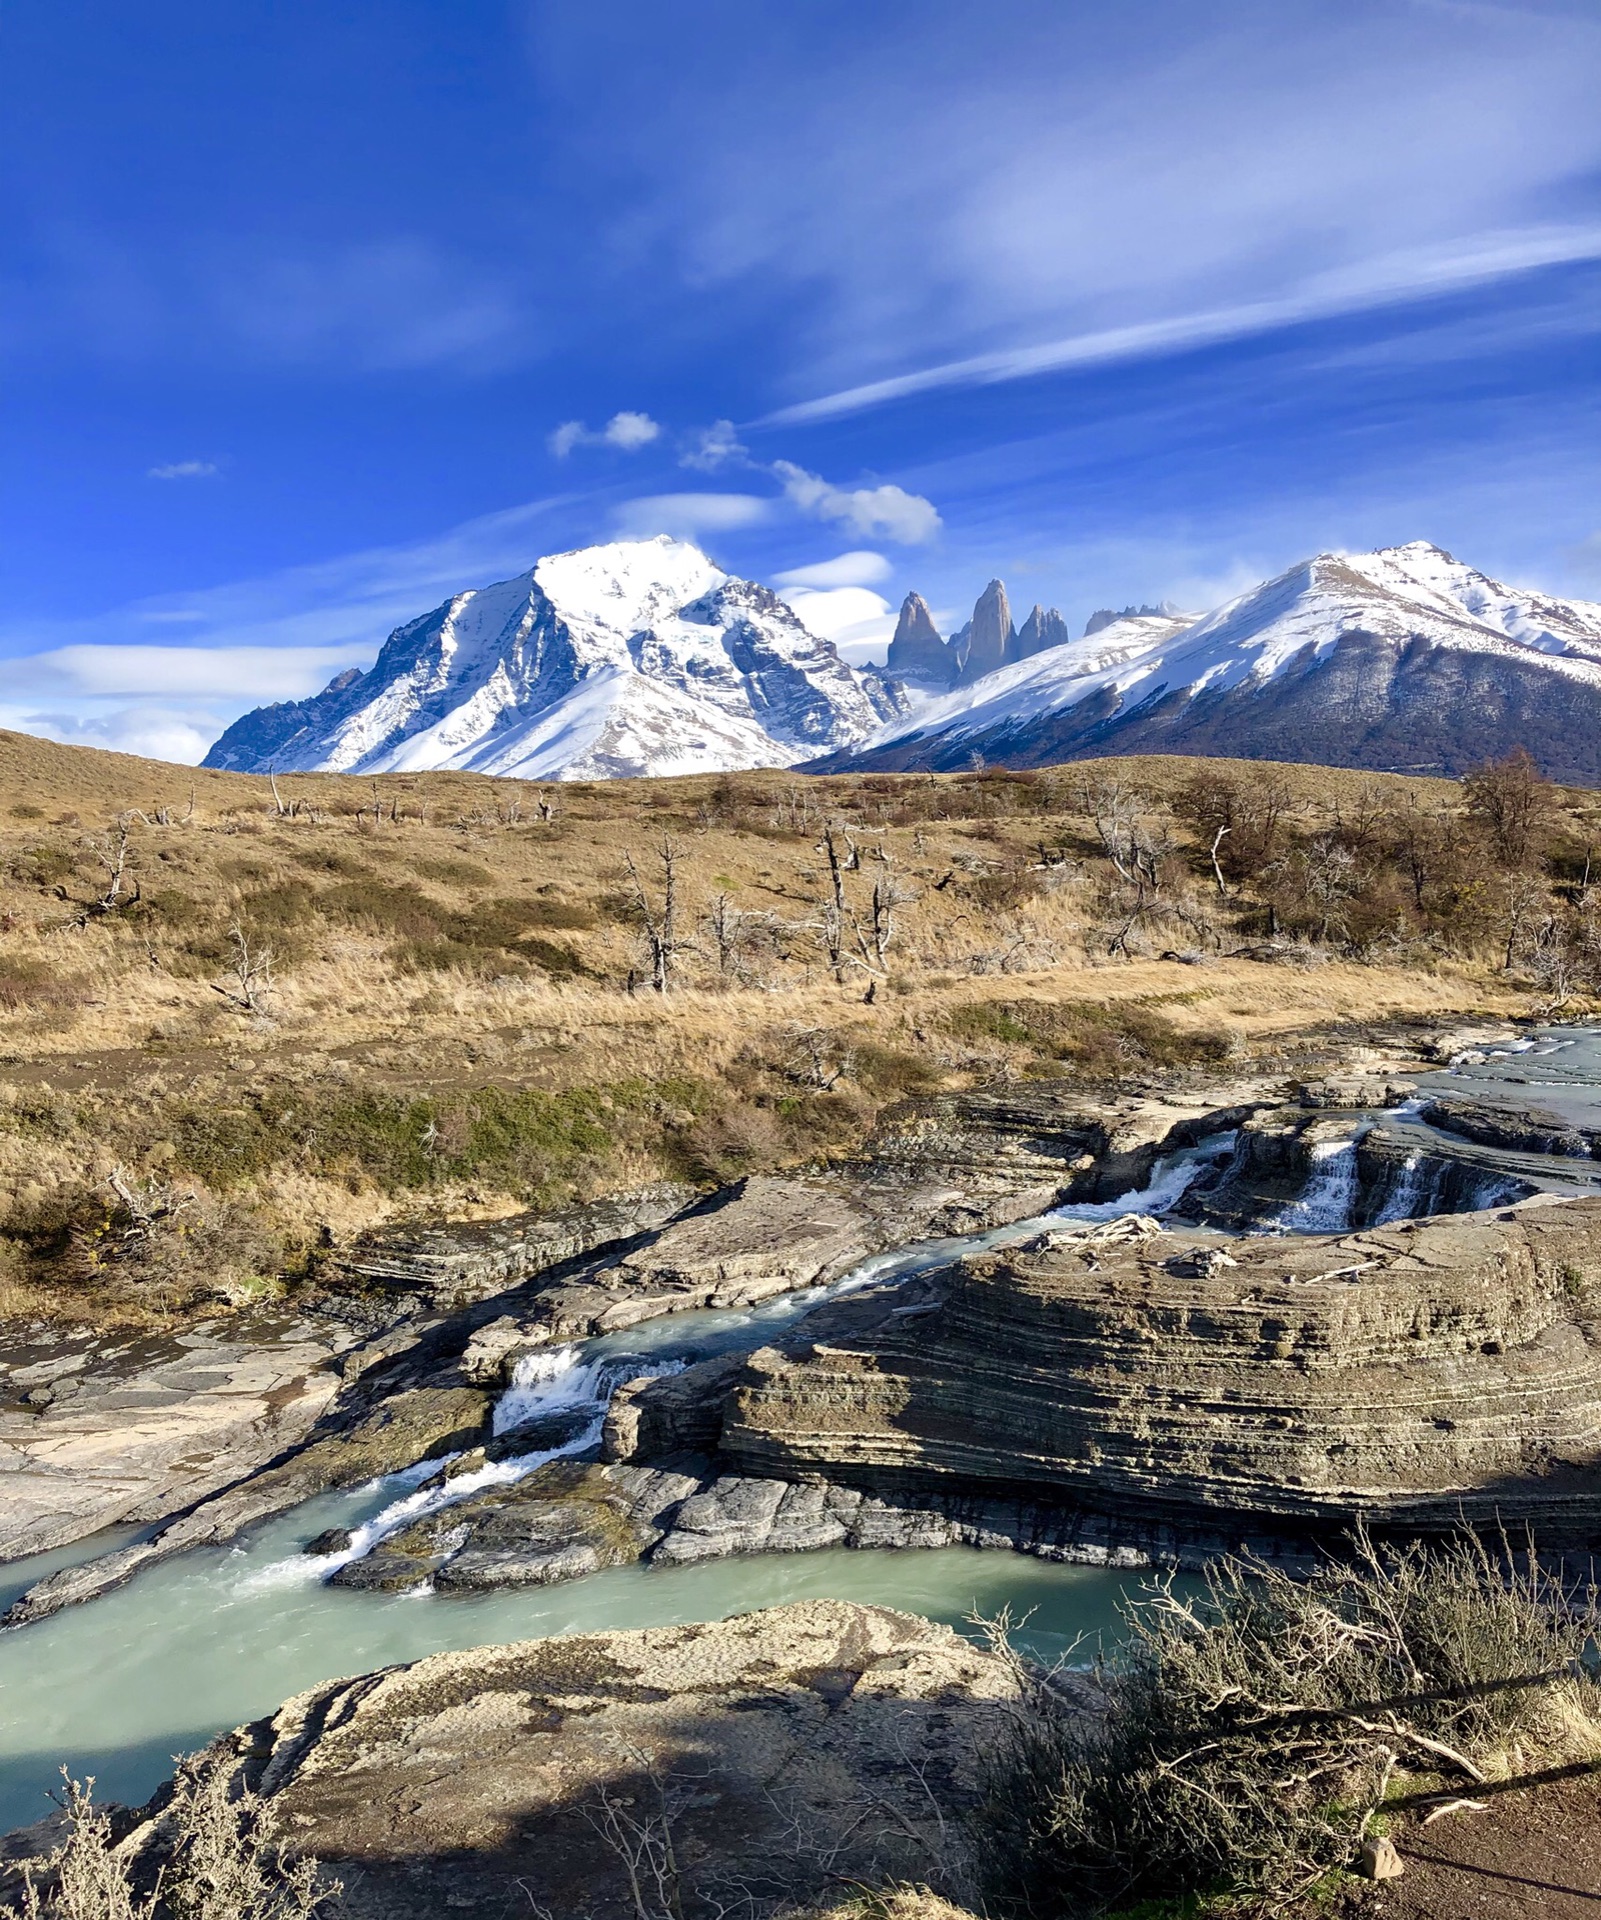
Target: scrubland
x: 242, y: 1019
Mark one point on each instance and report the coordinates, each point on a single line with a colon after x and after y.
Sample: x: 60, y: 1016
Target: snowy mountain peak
x: 1402, y: 657
x: 635, y: 657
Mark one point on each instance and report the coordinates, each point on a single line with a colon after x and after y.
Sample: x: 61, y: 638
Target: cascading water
x: 1329, y: 1194
x: 216, y: 1636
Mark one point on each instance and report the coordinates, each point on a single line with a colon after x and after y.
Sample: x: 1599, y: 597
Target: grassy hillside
x: 237, y: 1021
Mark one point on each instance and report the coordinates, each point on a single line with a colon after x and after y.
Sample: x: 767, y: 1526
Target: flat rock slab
x: 134, y: 1429
x: 782, y: 1752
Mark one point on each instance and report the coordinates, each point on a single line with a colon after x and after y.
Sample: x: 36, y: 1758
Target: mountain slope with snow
x: 1404, y: 658
x: 640, y: 657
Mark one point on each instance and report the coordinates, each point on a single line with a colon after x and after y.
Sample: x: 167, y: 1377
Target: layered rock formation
x: 1409, y: 1376
x: 778, y: 1755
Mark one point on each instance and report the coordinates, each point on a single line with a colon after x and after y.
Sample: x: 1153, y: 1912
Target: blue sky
x: 311, y: 315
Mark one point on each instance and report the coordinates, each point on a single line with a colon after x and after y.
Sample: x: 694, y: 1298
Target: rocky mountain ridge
x: 637, y: 658
x: 1403, y: 659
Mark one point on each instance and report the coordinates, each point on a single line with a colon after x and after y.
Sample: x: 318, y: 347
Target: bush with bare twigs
x: 223, y: 1861
x: 1252, y: 1730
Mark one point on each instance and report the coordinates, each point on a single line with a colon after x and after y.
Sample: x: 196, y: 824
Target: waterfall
x: 1410, y: 1198
x: 1325, y: 1202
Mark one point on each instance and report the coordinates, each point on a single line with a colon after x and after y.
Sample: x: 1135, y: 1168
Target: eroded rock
x: 1414, y: 1375
x: 781, y: 1753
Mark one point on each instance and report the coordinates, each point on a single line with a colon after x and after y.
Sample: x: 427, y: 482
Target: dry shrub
x: 1251, y: 1730
x: 172, y: 1244
x: 887, y: 1903
x: 224, y: 1861
x: 27, y: 984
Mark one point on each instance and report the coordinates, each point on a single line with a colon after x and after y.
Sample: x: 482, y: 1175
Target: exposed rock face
x: 1411, y: 1375
x: 917, y: 653
x: 991, y: 639
x: 788, y: 1750
x: 407, y: 1427
x: 1043, y: 628
x: 1104, y: 617
x: 99, y: 1431
x: 402, y: 1271
x: 638, y: 657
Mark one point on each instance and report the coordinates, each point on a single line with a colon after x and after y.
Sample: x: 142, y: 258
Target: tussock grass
x: 446, y: 1024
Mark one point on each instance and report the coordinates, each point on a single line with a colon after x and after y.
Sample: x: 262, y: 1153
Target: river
x: 217, y: 1636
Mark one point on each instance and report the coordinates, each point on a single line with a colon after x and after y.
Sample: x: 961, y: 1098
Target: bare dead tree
x: 277, y: 797
x: 1131, y: 841
x: 833, y: 906
x: 116, y: 856
x: 1217, y: 870
x: 815, y: 1057
x: 637, y: 1828
x: 659, y: 924
x: 248, y: 981
x: 545, y: 806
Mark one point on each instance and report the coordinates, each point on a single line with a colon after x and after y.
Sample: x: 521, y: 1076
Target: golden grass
x: 436, y: 936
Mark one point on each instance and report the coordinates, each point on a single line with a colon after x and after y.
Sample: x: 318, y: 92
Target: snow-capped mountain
x: 1404, y: 659
x: 640, y: 657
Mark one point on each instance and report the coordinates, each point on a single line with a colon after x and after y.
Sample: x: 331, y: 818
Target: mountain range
x: 643, y: 657
x: 1404, y: 659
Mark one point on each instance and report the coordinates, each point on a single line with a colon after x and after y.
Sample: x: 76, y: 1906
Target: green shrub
x: 461, y: 873
x: 1098, y: 1040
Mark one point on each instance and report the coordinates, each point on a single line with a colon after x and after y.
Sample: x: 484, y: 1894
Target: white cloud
x: 152, y: 732
x: 255, y: 674
x: 858, y: 569
x: 715, y: 446
x: 857, y: 620
x: 887, y: 511
x: 101, y: 682
x: 686, y: 516
x: 628, y: 432
x: 185, y: 470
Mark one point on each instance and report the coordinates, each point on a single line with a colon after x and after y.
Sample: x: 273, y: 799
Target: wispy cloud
x: 687, y: 516
x: 858, y: 621
x: 391, y: 303
x: 1389, y: 282
x: 185, y: 470
x: 713, y: 447
x: 1076, y: 174
x: 861, y: 568
x: 627, y: 432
